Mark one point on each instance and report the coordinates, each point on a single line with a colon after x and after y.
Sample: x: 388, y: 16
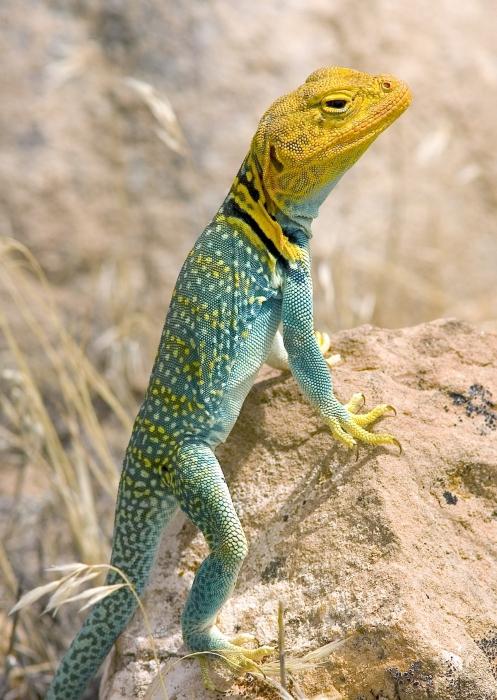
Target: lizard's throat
x: 299, y: 215
x: 294, y: 215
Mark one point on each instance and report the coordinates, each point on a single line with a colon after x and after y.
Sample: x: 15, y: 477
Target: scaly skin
x: 248, y: 272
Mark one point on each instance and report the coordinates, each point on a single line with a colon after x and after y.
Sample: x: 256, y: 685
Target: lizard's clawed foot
x: 324, y: 343
x: 353, y: 430
x: 242, y: 657
x: 239, y: 658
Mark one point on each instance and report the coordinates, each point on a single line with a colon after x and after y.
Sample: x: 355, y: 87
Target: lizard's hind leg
x: 143, y: 509
x: 200, y: 488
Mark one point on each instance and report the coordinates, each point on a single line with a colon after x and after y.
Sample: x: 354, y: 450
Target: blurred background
x: 122, y: 125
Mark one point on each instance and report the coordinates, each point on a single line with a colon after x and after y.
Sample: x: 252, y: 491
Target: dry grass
x: 52, y: 430
x: 31, y: 428
x: 65, y: 590
x: 167, y: 128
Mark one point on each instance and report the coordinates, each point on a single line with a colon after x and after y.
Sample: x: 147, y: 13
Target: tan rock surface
x: 397, y: 550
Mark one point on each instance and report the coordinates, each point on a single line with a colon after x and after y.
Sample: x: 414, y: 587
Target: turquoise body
x: 232, y: 293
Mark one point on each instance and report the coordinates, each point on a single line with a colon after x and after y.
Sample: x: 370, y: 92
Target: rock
x: 396, y: 554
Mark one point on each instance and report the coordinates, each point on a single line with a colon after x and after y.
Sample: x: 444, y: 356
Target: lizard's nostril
x: 386, y: 85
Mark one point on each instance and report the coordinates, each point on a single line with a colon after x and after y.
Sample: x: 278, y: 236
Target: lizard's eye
x: 334, y: 104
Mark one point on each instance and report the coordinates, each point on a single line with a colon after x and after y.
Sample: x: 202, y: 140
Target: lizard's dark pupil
x: 336, y: 104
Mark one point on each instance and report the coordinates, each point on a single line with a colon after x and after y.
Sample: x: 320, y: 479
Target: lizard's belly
x: 251, y: 355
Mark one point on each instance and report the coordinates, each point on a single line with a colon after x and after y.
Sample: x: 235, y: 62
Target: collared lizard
x: 248, y: 272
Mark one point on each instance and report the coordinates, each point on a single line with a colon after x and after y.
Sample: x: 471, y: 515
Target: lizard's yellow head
x: 307, y: 139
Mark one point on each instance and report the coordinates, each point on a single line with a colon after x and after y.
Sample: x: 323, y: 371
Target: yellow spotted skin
x: 248, y: 272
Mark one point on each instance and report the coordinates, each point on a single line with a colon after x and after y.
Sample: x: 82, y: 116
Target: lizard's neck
x: 248, y: 206
x: 294, y: 218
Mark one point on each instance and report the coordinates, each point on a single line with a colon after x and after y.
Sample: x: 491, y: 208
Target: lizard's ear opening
x: 275, y: 161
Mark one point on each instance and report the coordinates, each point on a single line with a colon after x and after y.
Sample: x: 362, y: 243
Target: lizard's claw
x: 353, y: 430
x: 324, y: 343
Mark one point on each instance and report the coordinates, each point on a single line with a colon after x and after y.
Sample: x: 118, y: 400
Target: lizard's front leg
x: 278, y: 356
x: 311, y: 370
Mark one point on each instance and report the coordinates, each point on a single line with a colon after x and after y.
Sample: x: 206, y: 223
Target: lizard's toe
x: 334, y: 424
x: 369, y: 438
x: 239, y: 658
x: 356, y: 402
x: 381, y: 411
x: 323, y: 341
x: 243, y: 638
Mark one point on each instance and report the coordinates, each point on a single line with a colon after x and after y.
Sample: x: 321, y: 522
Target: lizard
x: 243, y: 296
